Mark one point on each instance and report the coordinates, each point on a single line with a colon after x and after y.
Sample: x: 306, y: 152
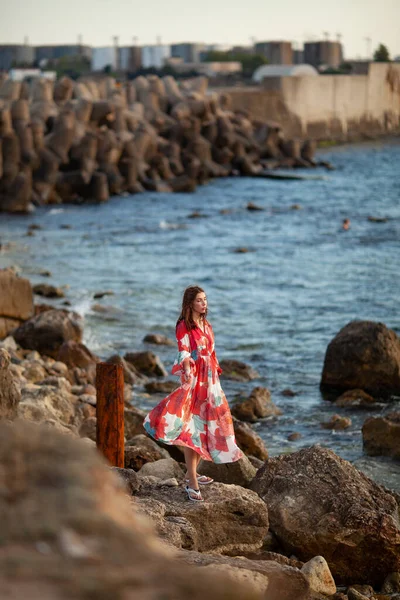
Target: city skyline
x: 361, y: 26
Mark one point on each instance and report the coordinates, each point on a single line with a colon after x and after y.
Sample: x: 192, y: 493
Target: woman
x: 196, y: 415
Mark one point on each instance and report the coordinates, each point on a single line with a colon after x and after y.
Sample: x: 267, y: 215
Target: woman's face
x: 200, y: 303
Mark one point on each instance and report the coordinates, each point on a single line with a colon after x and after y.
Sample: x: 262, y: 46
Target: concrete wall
x: 328, y: 106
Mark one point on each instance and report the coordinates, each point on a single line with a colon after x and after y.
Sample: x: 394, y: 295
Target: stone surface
x: 48, y: 291
x: 158, y: 339
x: 257, y: 406
x: 230, y: 520
x: 319, y: 576
x: 337, y: 422
x: 142, y: 450
x: 273, y: 581
x: 237, y: 370
x: 9, y: 391
x: 39, y: 403
x: 248, y: 440
x: 70, y: 531
x: 76, y: 354
x: 240, y: 472
x: 147, y: 363
x: 319, y: 504
x: 7, y: 326
x: 355, y: 399
x: 16, y: 297
x: 49, y: 330
x: 133, y: 420
x: 88, y: 428
x: 164, y: 468
x: 363, y: 355
x: 161, y: 387
x: 391, y: 585
x: 381, y: 435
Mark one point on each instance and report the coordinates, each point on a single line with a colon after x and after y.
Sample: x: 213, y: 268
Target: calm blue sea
x: 275, y: 307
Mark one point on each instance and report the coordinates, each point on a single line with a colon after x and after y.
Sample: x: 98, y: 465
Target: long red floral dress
x: 196, y: 414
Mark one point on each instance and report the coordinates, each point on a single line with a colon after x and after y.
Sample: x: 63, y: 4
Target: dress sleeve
x: 182, y: 338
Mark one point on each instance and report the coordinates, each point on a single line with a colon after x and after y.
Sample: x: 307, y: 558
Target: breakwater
x: 72, y: 142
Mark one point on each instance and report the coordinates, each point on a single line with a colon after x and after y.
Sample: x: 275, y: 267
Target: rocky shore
x: 307, y: 525
x: 85, y: 141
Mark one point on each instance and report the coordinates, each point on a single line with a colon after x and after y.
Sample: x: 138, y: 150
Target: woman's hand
x: 187, y: 375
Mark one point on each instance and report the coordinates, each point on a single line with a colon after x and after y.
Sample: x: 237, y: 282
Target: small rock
x: 377, y: 219
x: 337, y: 423
x: 240, y: 472
x: 248, y: 441
x: 296, y: 207
x: 391, y: 585
x: 381, y: 435
x: 257, y: 406
x: 288, y: 393
x: 354, y: 593
x: 9, y: 344
x: 237, y: 370
x: 48, y: 291
x: 252, y: 206
x: 196, y: 215
x: 172, y: 482
x: 355, y: 399
x: 147, y: 363
x: 156, y: 338
x: 241, y: 250
x: 163, y: 469
x: 65, y: 226
x: 98, y: 295
x: 88, y: 428
x: 319, y: 577
x: 292, y: 437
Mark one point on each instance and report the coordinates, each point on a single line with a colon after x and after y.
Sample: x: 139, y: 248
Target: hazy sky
x: 211, y: 21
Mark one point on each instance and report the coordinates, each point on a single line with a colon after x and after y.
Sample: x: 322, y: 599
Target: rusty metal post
x: 110, y: 412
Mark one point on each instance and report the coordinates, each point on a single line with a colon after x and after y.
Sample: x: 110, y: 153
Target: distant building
x: 242, y: 50
x: 21, y: 74
x: 213, y: 48
x: 209, y: 69
x: 54, y: 52
x: 155, y: 56
x: 323, y: 53
x: 14, y: 55
x: 103, y: 57
x: 298, y: 57
x: 277, y: 53
x: 266, y: 71
x: 358, y: 67
x: 130, y: 58
x: 188, y: 52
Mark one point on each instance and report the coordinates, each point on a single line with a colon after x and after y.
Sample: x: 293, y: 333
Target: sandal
x: 202, y: 479
x: 193, y: 495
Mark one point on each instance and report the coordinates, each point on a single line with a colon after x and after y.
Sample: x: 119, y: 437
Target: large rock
x: 257, y: 406
x: 147, y: 363
x: 240, y: 472
x: 248, y: 440
x: 133, y: 421
x: 164, y: 468
x: 9, y: 391
x: 16, y: 301
x: 48, y: 331
x: 363, y: 355
x: 273, y: 581
x: 381, y: 435
x: 75, y: 354
x: 237, y: 370
x: 319, y: 504
x: 47, y: 402
x: 140, y: 450
x: 68, y: 529
x: 230, y: 520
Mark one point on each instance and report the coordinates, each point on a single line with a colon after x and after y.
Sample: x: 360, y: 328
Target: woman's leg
x: 191, y: 466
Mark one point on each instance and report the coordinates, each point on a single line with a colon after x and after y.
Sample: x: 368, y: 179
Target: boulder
x: 76, y: 354
x: 381, y: 435
x: 7, y: 326
x: 363, y: 355
x: 47, y: 331
x: 237, y: 370
x: 16, y: 297
x: 133, y: 420
x: 46, y: 402
x: 147, y: 363
x: 164, y: 468
x: 240, y: 472
x: 257, y: 406
x: 140, y: 450
x: 319, y: 504
x: 131, y: 376
x: 269, y: 579
x: 337, y: 422
x: 248, y: 440
x: 88, y: 429
x: 9, y: 391
x: 230, y: 520
x: 69, y: 526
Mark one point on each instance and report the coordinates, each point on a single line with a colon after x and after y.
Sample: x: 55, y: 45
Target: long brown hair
x: 189, y: 297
